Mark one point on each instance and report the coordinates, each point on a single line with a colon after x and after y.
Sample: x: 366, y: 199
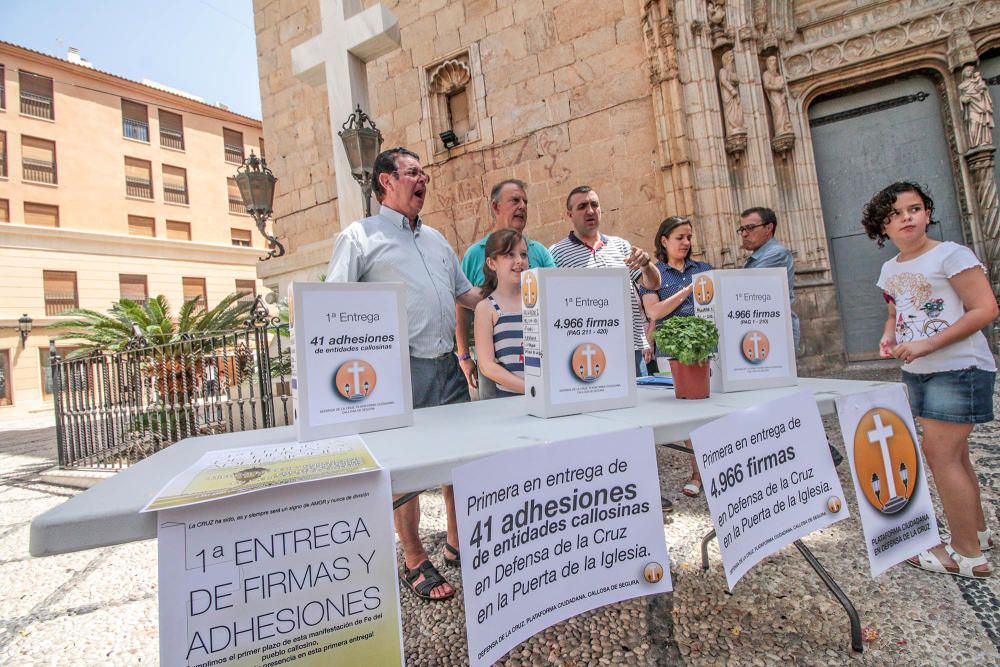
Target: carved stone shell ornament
x: 450, y: 76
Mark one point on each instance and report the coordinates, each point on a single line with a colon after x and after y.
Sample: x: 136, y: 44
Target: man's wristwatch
x: 464, y: 357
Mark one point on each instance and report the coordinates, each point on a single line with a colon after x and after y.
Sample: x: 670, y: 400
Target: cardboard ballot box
x: 578, y: 351
x: 752, y: 311
x: 350, y: 358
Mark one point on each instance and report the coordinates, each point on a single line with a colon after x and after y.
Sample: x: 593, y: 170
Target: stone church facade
x: 666, y: 107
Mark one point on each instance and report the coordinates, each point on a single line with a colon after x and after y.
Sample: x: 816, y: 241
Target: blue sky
x: 204, y: 47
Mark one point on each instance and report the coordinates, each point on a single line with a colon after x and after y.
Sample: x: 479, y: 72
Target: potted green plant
x: 689, y: 341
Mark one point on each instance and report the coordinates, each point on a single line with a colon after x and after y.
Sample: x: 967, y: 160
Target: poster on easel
x: 300, y: 573
x: 751, y: 309
x: 890, y: 479
x: 769, y: 479
x: 578, y: 350
x: 350, y: 358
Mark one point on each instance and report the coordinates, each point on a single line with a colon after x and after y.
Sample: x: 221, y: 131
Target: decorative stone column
x: 980, y: 160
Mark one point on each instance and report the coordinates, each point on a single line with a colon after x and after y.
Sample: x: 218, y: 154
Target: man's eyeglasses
x: 414, y: 173
x: 746, y: 229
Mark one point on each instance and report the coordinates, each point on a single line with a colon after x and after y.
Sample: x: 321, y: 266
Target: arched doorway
x: 864, y: 140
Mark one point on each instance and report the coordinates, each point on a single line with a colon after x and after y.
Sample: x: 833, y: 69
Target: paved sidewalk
x: 99, y: 607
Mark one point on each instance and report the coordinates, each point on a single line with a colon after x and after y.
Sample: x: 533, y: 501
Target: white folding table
x: 418, y: 457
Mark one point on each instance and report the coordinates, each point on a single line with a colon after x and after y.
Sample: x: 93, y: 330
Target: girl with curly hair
x: 939, y: 299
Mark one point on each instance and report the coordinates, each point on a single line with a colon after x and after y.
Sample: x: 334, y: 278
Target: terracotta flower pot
x: 690, y: 380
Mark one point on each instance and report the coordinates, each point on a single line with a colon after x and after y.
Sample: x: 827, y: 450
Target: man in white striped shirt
x: 586, y: 247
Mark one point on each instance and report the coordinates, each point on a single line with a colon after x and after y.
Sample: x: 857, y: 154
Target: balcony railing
x: 56, y: 304
x: 33, y: 104
x: 39, y: 171
x: 234, y: 154
x: 135, y: 129
x: 137, y: 187
x: 175, y: 195
x: 171, y: 138
x: 236, y: 205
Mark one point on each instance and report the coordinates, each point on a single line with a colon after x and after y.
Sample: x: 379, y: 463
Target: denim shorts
x: 962, y: 397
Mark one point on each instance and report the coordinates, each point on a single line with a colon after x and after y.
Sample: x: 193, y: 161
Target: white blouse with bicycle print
x: 926, y: 304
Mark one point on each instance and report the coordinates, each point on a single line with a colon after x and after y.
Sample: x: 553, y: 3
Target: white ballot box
x: 752, y: 311
x: 578, y: 352
x: 350, y: 358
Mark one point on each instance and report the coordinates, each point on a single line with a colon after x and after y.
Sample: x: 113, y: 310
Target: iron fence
x: 113, y: 409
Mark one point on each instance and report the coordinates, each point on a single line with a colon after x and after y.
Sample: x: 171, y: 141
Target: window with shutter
x: 195, y: 287
x: 236, y: 204
x: 135, y: 121
x: 3, y: 154
x: 240, y: 237
x: 133, y: 287
x: 60, y: 291
x: 171, y: 130
x: 141, y: 226
x: 179, y: 231
x: 4, y: 210
x: 38, y: 160
x: 138, y: 178
x: 41, y: 215
x: 233, y: 144
x: 174, y: 185
x: 36, y: 95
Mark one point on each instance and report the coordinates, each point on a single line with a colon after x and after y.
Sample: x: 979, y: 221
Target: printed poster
x: 302, y: 575
x: 552, y: 531
x: 769, y: 479
x: 232, y: 472
x: 890, y: 480
x: 585, y: 339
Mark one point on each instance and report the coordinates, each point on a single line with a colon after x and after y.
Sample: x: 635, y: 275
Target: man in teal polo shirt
x: 509, y: 209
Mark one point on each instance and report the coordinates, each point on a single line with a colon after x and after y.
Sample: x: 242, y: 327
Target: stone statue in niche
x: 977, y: 107
x: 774, y: 86
x: 717, y: 19
x: 729, y: 85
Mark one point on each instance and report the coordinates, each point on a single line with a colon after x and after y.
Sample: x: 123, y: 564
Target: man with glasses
x: 395, y: 246
x: 509, y: 210
x: 756, y: 231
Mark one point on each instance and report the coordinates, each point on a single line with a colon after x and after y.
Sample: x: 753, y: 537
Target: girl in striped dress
x: 499, y: 334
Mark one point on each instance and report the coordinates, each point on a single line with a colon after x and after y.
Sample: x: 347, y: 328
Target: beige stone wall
x: 92, y: 238
x: 300, y: 153
x: 622, y: 95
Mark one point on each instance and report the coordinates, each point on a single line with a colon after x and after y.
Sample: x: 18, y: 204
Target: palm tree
x: 126, y: 320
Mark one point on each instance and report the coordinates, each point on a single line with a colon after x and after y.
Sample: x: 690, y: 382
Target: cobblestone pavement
x: 99, y: 607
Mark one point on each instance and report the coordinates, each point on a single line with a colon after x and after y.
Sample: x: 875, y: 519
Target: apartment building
x: 110, y: 188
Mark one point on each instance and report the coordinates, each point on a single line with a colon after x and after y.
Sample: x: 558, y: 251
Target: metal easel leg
x: 817, y: 567
x: 844, y: 601
x: 704, y: 548
x: 405, y: 498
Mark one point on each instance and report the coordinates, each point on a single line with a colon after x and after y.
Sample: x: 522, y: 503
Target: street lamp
x: 256, y: 183
x: 24, y: 328
x: 362, y: 145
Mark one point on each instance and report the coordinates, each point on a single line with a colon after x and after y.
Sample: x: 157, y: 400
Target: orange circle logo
x: 355, y: 380
x: 886, y: 461
x: 755, y: 346
x: 653, y: 572
x: 588, y: 362
x: 704, y: 290
x: 529, y: 289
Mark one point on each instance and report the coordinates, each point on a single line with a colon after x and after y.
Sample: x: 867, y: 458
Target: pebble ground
x: 99, y: 607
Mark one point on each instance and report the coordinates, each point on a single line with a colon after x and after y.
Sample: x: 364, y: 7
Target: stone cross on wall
x: 349, y: 40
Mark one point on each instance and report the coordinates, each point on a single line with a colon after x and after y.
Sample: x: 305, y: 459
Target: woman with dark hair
x: 673, y: 298
x: 939, y: 298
